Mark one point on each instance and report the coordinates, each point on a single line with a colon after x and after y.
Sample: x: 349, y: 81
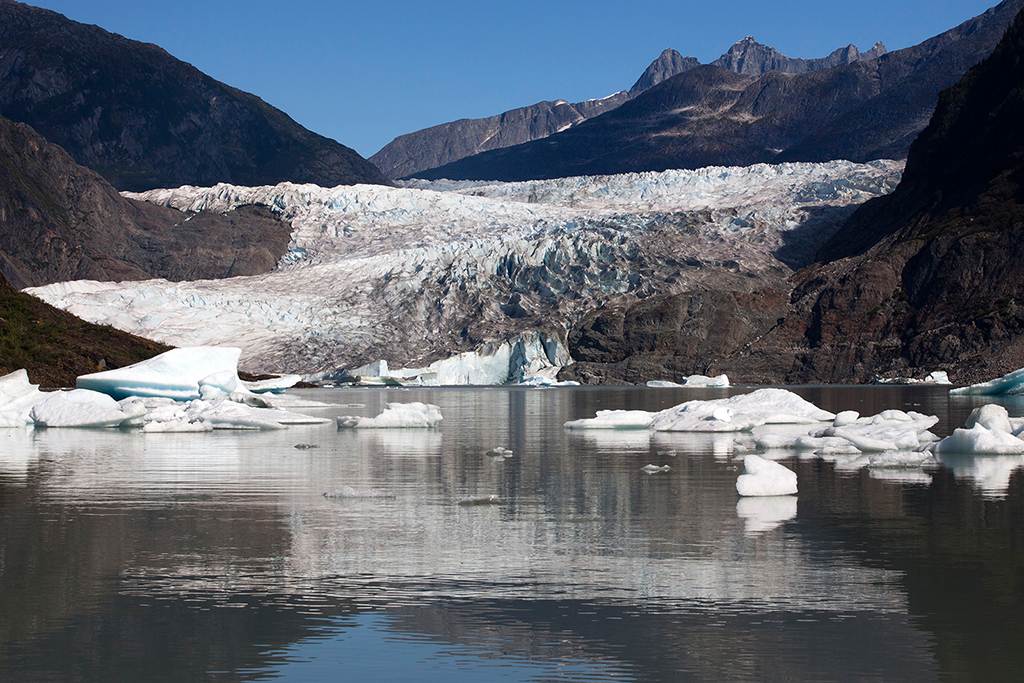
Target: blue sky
x: 365, y: 72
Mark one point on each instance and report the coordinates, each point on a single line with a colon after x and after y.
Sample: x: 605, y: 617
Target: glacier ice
x: 765, y: 478
x: 419, y: 275
x: 78, y: 408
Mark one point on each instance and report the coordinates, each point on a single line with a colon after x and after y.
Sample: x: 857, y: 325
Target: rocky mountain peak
x: 747, y: 56
x: 668, y: 64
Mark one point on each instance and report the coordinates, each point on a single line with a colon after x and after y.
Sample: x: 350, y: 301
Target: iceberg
x: 182, y: 374
x: 78, y: 408
x: 1010, y: 384
x: 740, y: 413
x: 17, y: 396
x: 765, y: 478
x: 396, y: 416
x: 979, y: 440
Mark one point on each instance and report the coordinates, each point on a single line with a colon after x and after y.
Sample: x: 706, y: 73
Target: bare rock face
x: 60, y: 221
x: 753, y: 59
x: 667, y: 65
x: 143, y: 119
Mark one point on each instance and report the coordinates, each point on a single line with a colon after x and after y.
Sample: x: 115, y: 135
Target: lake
x: 131, y: 556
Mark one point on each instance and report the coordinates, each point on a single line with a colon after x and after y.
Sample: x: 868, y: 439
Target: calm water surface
x: 130, y: 556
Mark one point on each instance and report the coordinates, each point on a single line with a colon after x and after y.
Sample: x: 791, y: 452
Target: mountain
x: 61, y: 221
x: 418, y: 152
x: 751, y: 58
x: 668, y: 64
x: 439, y: 145
x: 929, y: 277
x: 705, y: 116
x: 143, y: 119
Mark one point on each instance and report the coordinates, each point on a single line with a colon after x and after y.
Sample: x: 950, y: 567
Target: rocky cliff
x: 930, y: 277
x: 61, y: 221
x: 143, y: 119
x: 753, y: 59
x: 862, y: 110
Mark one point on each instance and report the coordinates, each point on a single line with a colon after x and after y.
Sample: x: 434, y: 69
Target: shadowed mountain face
x: 930, y: 277
x: 859, y: 111
x: 143, y: 119
x: 60, y: 221
x: 429, y: 148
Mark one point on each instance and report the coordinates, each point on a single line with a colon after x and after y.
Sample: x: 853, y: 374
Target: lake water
x: 130, y: 556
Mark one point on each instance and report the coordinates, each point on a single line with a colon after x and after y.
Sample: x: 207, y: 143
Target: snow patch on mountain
x: 424, y: 273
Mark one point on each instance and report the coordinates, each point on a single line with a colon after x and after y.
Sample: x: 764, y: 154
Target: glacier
x: 479, y: 282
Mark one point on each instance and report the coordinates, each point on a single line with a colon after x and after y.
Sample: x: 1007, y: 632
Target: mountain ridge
x: 144, y: 119
x: 859, y: 111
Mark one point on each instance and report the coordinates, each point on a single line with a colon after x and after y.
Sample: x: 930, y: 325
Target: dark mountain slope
x: 55, y: 347
x: 417, y: 152
x: 61, y: 221
x: 143, y: 119
x: 706, y: 116
x: 928, y: 278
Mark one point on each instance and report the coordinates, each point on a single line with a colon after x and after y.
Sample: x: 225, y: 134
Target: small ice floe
x: 491, y: 499
x: 652, y: 468
x: 890, y: 430
x: 614, y: 419
x: 740, y: 413
x: 499, y: 453
x: 936, y: 377
x: 765, y: 478
x: 663, y: 384
x: 306, y: 446
x: 350, y: 492
x: 396, y: 416
x: 274, y: 385
x: 764, y: 513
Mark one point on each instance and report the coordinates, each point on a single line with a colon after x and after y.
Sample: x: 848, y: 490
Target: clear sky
x: 363, y: 72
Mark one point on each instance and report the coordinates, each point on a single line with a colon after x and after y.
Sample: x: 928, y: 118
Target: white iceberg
x: 765, y: 478
x: 1010, y: 384
x: 78, y: 408
x: 740, y: 413
x: 182, y: 374
x: 614, y: 419
x: 396, y: 415
x: 690, y: 382
x: 17, y: 396
x: 979, y: 440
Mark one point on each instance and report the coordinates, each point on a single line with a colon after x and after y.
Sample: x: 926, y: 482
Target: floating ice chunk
x: 710, y: 382
x: 499, y: 453
x: 938, y: 377
x: 991, y: 416
x: 396, y: 415
x: 177, y: 374
x: 979, y: 440
x: 349, y: 492
x: 17, y: 396
x: 765, y: 478
x: 764, y: 406
x: 652, y: 468
x: 78, y: 408
x: 614, y: 419
x: 273, y: 385
x: 663, y: 384
x: 491, y: 499
x: 1009, y: 384
x: 764, y: 513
